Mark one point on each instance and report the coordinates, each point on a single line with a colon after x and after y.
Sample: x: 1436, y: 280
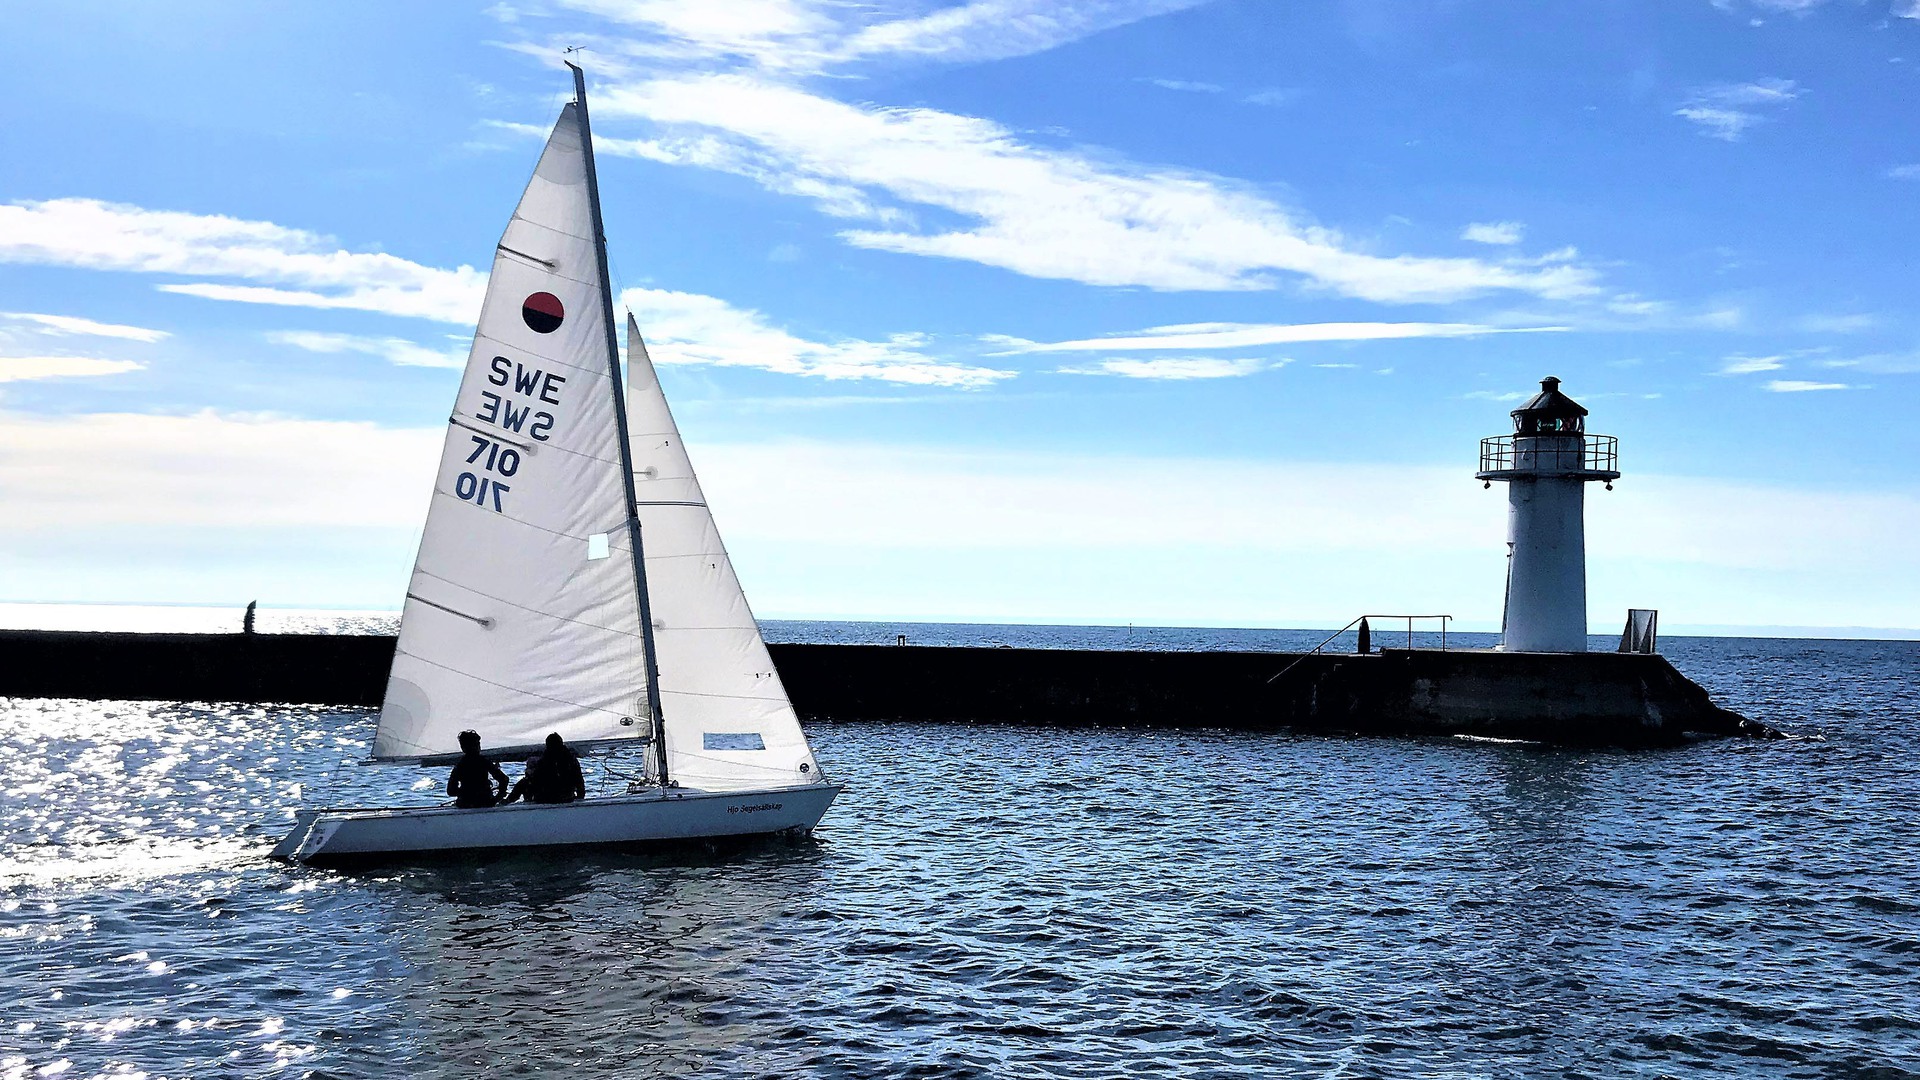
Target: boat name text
x: 754, y: 808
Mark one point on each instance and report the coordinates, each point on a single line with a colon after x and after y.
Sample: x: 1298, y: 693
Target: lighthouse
x: 1546, y: 464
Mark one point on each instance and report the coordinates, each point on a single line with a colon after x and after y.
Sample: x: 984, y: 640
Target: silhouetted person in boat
x: 553, y: 775
x: 475, y: 782
x: 246, y: 624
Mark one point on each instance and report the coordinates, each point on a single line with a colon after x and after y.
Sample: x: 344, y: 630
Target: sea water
x: 1001, y: 901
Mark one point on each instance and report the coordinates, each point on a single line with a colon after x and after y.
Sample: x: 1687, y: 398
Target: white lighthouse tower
x: 1546, y: 464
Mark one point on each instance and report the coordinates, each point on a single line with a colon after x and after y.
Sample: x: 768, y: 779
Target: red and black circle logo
x: 543, y: 312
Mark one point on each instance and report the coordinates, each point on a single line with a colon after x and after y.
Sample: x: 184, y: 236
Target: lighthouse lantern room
x: 1546, y: 464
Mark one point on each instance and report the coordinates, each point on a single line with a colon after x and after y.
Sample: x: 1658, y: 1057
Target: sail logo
x: 515, y: 407
x: 542, y: 312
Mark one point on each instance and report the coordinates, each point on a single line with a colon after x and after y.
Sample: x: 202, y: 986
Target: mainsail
x: 727, y: 721
x: 522, y: 616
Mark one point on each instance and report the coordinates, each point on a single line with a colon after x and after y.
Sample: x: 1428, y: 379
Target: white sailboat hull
x: 675, y: 814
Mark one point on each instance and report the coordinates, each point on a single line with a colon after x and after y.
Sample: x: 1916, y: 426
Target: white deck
x: 673, y: 814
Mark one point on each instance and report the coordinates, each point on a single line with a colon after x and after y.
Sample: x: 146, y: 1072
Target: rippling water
x: 1005, y: 902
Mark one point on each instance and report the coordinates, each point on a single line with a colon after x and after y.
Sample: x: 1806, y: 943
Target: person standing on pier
x: 246, y: 623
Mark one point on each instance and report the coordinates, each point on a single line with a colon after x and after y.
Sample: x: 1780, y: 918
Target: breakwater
x: 1567, y: 699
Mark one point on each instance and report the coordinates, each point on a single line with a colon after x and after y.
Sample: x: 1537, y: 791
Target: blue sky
x: 1115, y: 311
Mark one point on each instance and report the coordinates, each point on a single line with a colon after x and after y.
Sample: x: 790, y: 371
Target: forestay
x: 522, y: 616
x: 727, y: 719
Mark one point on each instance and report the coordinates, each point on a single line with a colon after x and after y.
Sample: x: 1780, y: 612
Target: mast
x: 620, y: 419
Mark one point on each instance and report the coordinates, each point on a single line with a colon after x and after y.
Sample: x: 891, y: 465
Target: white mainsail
x: 727, y: 721
x: 522, y: 616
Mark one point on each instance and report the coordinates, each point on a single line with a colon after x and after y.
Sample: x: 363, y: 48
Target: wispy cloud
x: 392, y: 349
x: 1905, y: 172
x: 1173, y: 368
x: 1907, y: 363
x: 1794, y: 7
x: 1252, y: 335
x: 1036, y: 211
x: 1274, y: 97
x: 73, y: 326
x: 1750, y: 365
x: 114, y: 236
x: 683, y: 327
x: 1500, y: 395
x: 1727, y: 111
x: 211, y: 470
x: 1187, y: 87
x: 801, y: 37
x: 1799, y: 386
x: 687, y: 328
x: 1494, y: 232
x: 24, y: 368
x: 1838, y: 324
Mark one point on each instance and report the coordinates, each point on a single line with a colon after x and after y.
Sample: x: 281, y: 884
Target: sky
x: 1155, y: 311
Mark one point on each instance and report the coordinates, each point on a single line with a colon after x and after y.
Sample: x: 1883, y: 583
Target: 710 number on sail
x: 501, y: 460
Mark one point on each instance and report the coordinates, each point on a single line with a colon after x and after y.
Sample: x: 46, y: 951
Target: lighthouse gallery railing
x: 1596, y: 453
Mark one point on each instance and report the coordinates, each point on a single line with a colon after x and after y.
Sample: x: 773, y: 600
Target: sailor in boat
x: 475, y: 782
x: 543, y: 469
x: 553, y: 775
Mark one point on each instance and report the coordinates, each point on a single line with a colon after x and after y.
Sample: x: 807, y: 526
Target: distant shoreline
x: 215, y: 618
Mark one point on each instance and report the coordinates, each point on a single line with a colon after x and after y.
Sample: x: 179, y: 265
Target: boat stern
x: 290, y: 848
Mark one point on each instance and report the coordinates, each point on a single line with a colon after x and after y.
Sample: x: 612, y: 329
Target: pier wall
x: 1573, y: 699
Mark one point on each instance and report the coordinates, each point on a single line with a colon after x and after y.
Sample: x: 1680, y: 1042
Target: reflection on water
x: 1002, y: 902
x: 579, y: 960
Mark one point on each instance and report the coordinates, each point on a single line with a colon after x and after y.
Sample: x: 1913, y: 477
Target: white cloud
x: 1799, y: 386
x: 1750, y: 365
x: 392, y: 349
x: 1500, y: 395
x: 1173, y: 368
x: 806, y: 36
x: 98, y: 235
x: 1274, y: 97
x: 997, y: 29
x: 1905, y: 172
x: 211, y: 470
x: 1187, y: 87
x: 821, y: 530
x: 1838, y: 324
x: 1795, y: 7
x: 1039, y: 212
x: 69, y: 325
x: 1494, y: 232
x: 1250, y: 335
x: 23, y: 368
x: 687, y: 328
x: 1727, y: 124
x: 1880, y: 363
x: 1899, y: 9
x: 1728, y: 110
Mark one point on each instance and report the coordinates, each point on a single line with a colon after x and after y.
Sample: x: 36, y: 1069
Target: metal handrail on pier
x: 1330, y: 638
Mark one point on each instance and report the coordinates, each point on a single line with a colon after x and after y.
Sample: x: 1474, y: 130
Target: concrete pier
x: 1619, y: 699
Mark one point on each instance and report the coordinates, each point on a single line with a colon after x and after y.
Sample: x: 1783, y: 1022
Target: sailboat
x: 571, y: 580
